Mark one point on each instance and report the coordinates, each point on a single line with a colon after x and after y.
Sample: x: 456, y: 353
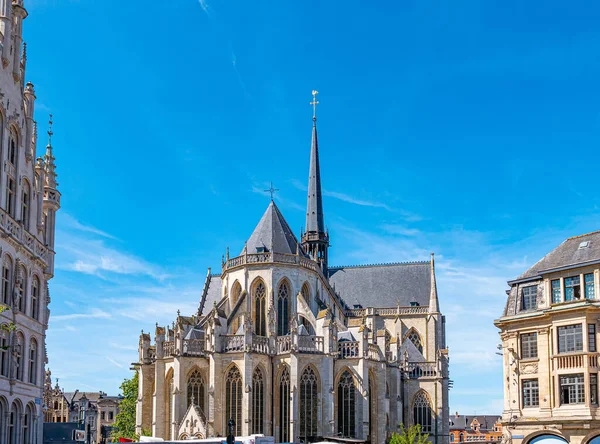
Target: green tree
x: 411, y: 435
x: 124, y: 426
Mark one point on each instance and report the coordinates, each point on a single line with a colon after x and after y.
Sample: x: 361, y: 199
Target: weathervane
x: 272, y: 190
x: 314, y: 103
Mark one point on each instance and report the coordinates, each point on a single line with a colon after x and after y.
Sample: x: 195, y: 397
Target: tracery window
x: 260, y: 321
x: 233, y: 399
x: 258, y: 401
x: 4, y: 353
x: 35, y: 297
x: 169, y: 399
x: 195, y: 389
x: 10, y: 196
x: 416, y: 340
x: 346, y: 405
x: 33, y: 361
x: 283, y: 309
x: 309, y: 404
x: 284, y: 406
x: 422, y: 412
x: 388, y: 348
x: 6, y: 278
x: 25, y: 204
x: 12, y: 147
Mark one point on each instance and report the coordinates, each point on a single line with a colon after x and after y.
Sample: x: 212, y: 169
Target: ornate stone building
x: 56, y: 405
x: 484, y: 429
x: 292, y: 347
x: 549, y: 332
x: 28, y: 203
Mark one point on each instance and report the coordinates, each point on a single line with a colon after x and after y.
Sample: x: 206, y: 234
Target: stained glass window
x: 309, y: 404
x: 233, y: 399
x: 258, y: 401
x: 346, y: 405
x: 422, y: 412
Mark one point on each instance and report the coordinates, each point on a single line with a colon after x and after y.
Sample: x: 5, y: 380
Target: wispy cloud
x: 401, y: 230
x: 111, y: 360
x: 70, y: 222
x: 95, y: 313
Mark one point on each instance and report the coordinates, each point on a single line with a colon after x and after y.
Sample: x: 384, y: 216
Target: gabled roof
x: 272, y: 232
x: 574, y: 251
x: 383, y: 285
x: 463, y: 422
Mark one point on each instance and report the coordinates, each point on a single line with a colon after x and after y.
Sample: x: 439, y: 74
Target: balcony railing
x: 260, y: 344
x: 362, y: 312
x: 348, y: 349
x: 310, y: 344
x: 416, y: 370
x: 29, y: 241
x: 193, y: 347
x: 575, y: 361
x: 168, y: 348
x: 284, y: 344
x: 233, y: 343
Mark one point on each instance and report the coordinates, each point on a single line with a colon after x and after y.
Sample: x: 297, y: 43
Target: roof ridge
x: 216, y: 274
x: 583, y: 235
x: 382, y: 264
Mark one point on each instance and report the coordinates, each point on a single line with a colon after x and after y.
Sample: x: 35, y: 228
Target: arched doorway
x: 595, y: 440
x: 548, y: 439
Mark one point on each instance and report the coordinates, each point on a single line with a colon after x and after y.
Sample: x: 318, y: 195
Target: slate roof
x: 463, y: 422
x: 383, y: 285
x: 569, y: 253
x: 274, y: 232
x: 314, y: 204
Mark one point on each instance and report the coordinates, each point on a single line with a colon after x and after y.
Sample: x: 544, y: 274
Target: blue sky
x: 466, y: 128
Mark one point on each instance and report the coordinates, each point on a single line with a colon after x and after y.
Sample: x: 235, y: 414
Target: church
x: 287, y: 345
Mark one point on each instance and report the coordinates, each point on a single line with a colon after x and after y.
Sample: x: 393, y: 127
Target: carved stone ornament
x: 528, y: 368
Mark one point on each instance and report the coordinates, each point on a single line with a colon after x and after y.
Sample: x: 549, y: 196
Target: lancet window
x: 195, y: 389
x: 346, y: 393
x: 233, y: 399
x: 283, y: 309
x: 258, y: 401
x: 416, y: 340
x: 35, y: 297
x: 25, y: 204
x: 33, y: 353
x: 169, y: 402
x: 284, y: 406
x: 6, y: 279
x: 309, y: 404
x: 19, y: 344
x: 4, y: 368
x: 260, y: 305
x: 422, y: 412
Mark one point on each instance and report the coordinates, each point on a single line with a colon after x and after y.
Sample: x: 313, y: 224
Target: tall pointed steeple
x: 315, y: 239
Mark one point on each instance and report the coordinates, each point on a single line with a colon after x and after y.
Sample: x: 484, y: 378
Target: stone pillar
x: 545, y: 380
x: 294, y: 398
x: 158, y: 416
x: 212, y: 429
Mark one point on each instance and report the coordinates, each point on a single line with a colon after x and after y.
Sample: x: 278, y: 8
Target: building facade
x: 289, y: 346
x: 484, y: 429
x: 56, y: 405
x: 28, y: 203
x: 549, y: 331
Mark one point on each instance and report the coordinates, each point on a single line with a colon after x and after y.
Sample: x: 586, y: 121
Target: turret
x: 51, y: 202
x: 29, y: 99
x: 19, y: 14
x: 315, y: 239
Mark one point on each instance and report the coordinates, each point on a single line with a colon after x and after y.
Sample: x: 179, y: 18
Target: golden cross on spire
x: 314, y: 103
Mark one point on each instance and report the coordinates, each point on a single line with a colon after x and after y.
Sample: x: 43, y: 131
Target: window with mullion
x: 570, y: 338
x: 531, y: 393
x: 572, y: 288
x: 592, y: 337
x: 589, y: 286
x: 594, y: 389
x: 556, y: 293
x: 529, y: 298
x: 529, y: 346
x: 572, y: 389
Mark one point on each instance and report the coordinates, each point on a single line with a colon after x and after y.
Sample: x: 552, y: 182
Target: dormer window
x: 261, y: 250
x: 414, y: 304
x: 357, y: 306
x: 529, y: 298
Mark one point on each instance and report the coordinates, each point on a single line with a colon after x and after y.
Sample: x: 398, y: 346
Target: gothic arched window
x: 13, y: 423
x: 309, y: 404
x: 25, y: 203
x: 260, y: 321
x: 12, y: 146
x: 422, y: 412
x: 7, y: 267
x: 27, y: 432
x: 306, y: 295
x: 35, y: 298
x: 233, y: 399
x: 258, y: 401
x: 284, y: 406
x: 415, y: 339
x: 4, y: 352
x: 169, y: 402
x: 283, y: 309
x: 33, y: 352
x: 195, y: 389
x: 236, y: 292
x: 346, y: 397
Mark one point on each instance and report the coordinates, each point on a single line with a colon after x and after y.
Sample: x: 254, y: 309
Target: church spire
x: 315, y: 239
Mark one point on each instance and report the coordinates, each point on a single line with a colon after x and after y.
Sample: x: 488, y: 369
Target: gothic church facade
x: 289, y: 346
x: 29, y: 201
